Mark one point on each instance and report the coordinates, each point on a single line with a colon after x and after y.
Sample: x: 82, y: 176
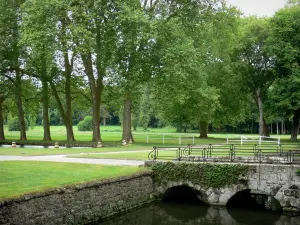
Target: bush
x: 14, y: 124
x: 86, y: 124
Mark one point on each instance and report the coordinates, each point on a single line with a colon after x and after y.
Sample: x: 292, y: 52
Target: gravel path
x: 62, y: 158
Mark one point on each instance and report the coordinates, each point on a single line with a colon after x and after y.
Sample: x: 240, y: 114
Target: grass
x: 124, y: 155
x: 18, y: 178
x: 64, y: 151
x: 111, y: 136
x: 171, y: 154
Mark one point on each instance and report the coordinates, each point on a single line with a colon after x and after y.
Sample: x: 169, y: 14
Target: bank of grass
x: 18, y: 178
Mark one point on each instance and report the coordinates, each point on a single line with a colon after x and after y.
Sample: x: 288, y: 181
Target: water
x: 177, y: 214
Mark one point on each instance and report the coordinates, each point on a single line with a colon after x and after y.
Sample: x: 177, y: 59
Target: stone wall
x: 79, y: 204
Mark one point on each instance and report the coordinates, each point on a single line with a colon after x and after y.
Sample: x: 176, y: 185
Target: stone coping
x: 149, y: 163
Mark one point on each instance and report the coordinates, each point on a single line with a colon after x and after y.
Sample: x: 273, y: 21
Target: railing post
x: 290, y: 156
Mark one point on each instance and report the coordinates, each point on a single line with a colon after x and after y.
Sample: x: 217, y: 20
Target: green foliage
x: 86, y: 124
x: 14, y: 124
x: 298, y: 172
x: 208, y: 175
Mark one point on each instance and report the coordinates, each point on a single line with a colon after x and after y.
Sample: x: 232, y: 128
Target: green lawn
x: 171, y: 154
x: 18, y: 178
x: 112, y: 140
x: 63, y: 151
x: 124, y: 155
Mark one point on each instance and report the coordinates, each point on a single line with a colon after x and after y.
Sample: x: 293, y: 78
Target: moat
x: 182, y: 214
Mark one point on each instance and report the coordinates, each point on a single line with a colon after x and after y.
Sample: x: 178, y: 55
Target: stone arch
x: 200, y: 192
x: 253, y: 198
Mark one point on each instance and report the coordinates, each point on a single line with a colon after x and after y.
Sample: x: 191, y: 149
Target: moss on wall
x: 207, y: 175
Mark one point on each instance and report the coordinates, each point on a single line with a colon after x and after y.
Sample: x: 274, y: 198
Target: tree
x: 5, y: 92
x: 284, y: 43
x: 38, y: 37
x: 254, y: 63
x: 53, y: 53
x: 206, y: 40
x: 11, y: 53
x: 133, y: 46
x: 94, y: 33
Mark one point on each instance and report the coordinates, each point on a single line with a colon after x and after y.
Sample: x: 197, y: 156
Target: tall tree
x: 5, y: 92
x: 38, y: 36
x: 133, y: 45
x: 53, y: 38
x: 255, y: 64
x: 94, y: 33
x: 284, y: 43
x: 11, y: 66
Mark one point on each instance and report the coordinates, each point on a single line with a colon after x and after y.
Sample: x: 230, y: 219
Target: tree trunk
x: 261, y: 115
x: 266, y: 129
x: 271, y: 128
x: 203, y: 129
x: 18, y: 92
x: 295, y: 125
x: 68, y: 113
x: 96, y: 98
x: 67, y: 121
x: 127, y: 133
x: 96, y: 87
x: 2, y: 136
x: 46, y: 123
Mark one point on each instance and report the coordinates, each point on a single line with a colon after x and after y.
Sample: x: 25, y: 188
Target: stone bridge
x: 274, y: 186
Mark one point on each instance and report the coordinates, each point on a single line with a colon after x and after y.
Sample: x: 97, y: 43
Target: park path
x: 63, y: 158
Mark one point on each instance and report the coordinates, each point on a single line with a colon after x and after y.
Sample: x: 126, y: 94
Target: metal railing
x: 268, y: 153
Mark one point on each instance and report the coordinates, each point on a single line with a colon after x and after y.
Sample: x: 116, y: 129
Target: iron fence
x: 286, y: 154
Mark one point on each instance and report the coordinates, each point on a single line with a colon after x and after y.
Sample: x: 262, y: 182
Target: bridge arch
x: 181, y: 191
x: 254, y: 199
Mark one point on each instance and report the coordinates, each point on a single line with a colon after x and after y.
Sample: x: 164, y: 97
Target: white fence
x: 255, y: 139
x: 164, y: 138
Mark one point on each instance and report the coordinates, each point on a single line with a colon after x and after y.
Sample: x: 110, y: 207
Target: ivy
x: 207, y: 175
x: 298, y: 172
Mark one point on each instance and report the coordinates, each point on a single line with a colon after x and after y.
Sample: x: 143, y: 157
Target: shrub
x: 86, y: 124
x: 14, y: 124
x: 298, y: 172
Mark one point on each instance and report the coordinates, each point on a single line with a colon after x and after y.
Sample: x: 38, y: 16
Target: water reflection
x: 176, y: 214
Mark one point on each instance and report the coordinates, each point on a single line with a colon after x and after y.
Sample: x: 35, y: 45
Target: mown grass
x: 18, y: 178
x: 111, y: 136
x: 171, y: 154
x: 114, y: 134
x: 64, y: 151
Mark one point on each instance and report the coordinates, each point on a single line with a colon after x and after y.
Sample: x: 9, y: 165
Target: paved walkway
x: 63, y: 158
